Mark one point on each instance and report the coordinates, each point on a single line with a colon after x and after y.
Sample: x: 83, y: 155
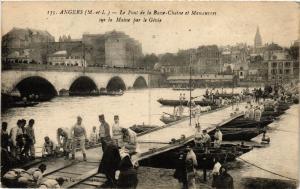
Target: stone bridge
x: 53, y: 82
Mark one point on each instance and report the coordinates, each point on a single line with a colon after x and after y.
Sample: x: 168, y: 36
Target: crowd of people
x: 18, y: 144
x: 187, y: 174
x: 19, y: 141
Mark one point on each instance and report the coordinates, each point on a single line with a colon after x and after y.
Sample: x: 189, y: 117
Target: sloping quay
x: 158, y: 140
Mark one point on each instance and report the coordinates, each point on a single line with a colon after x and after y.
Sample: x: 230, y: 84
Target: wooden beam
x: 83, y: 177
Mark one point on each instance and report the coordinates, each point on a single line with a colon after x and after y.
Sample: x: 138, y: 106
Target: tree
x: 149, y: 60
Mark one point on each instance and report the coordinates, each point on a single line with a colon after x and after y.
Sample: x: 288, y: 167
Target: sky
x: 234, y: 22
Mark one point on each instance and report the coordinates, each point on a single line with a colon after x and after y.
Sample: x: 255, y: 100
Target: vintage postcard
x: 146, y: 94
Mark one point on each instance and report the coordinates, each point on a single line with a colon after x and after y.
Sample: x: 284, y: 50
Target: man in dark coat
x: 181, y: 172
x: 223, y: 180
x: 110, y: 163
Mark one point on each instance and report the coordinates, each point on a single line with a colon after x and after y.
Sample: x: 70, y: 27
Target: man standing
x: 251, y: 112
x: 218, y: 138
x: 197, y: 115
x: 64, y: 135
x: 16, y: 135
x: 104, y: 132
x: 198, y: 136
x: 30, y: 139
x: 78, y: 134
x: 117, y: 132
x: 4, y: 136
x: 257, y: 114
x: 206, y: 139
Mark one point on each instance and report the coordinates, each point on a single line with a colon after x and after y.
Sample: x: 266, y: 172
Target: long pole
x: 190, y: 84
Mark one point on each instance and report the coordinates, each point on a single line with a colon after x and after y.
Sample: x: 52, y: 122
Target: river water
x: 141, y: 106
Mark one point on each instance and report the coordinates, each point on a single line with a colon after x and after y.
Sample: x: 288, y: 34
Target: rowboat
x: 245, y: 134
x: 166, y: 119
x: 225, y: 153
x: 173, y: 103
x: 182, y: 89
x: 246, y: 123
x: 222, y: 95
x: 142, y: 128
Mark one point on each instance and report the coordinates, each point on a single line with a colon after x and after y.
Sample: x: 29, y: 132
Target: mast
x: 190, y: 85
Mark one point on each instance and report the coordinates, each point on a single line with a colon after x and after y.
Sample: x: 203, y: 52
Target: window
x: 280, y: 71
x: 287, y: 71
x: 287, y: 64
x: 274, y: 64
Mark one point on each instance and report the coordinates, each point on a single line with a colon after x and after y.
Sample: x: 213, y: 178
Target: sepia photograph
x: 150, y: 94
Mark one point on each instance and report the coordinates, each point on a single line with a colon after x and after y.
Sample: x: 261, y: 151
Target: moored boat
x: 24, y: 104
x: 182, y: 89
x: 173, y: 103
x: 244, y: 134
x: 166, y: 119
x: 142, y: 128
x: 225, y: 153
x: 246, y: 123
x: 222, y: 95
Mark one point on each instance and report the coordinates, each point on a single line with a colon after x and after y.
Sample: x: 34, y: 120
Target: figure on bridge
x: 79, y: 135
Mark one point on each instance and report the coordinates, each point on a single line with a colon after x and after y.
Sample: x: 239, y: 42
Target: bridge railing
x: 61, y: 68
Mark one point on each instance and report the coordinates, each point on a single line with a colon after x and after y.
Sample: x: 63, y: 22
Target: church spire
x: 257, y: 39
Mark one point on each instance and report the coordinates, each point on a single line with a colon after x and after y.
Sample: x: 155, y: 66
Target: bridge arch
x: 116, y: 83
x: 36, y: 85
x: 139, y: 83
x: 83, y: 85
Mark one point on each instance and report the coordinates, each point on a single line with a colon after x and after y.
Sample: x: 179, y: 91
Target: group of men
x: 19, y: 142
x: 186, y: 171
x: 254, y: 112
x: 203, y: 140
x: 69, y: 139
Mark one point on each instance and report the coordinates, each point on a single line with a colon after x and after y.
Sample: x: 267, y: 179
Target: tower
x: 257, y: 40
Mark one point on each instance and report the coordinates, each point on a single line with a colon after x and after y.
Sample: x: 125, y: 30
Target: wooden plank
x: 82, y: 178
x: 82, y: 185
x: 179, y: 121
x: 69, y: 172
x: 60, y: 168
x: 93, y: 183
x: 65, y: 175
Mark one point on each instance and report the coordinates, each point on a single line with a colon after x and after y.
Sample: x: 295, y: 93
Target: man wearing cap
x: 104, y: 132
x: 117, y: 132
x: 79, y: 135
x: 64, y: 135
